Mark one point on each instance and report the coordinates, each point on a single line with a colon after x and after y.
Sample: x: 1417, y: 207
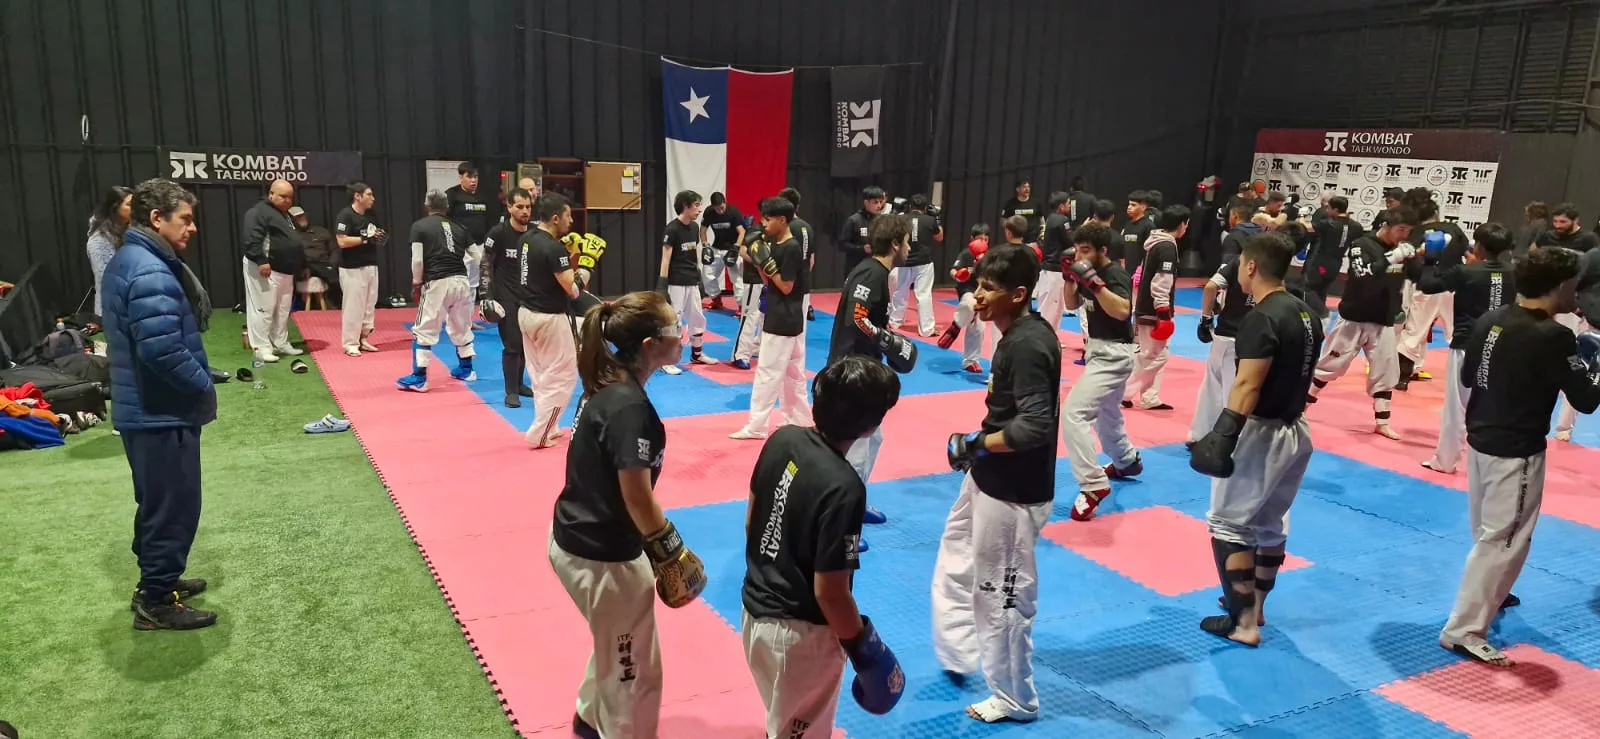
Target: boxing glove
x: 1086, y: 277
x: 1204, y: 330
x: 491, y: 310
x: 1213, y: 453
x: 573, y: 241
x: 879, y: 681
x: 661, y: 284
x: 1164, y: 326
x: 1433, y: 245
x: 730, y: 257
x: 898, y: 351
x: 1589, y: 350
x: 963, y: 449
x: 761, y: 254
x: 416, y: 294
x: 1401, y: 253
x: 680, y: 575
x: 963, y: 274
x: 589, y: 252
x: 949, y: 336
x: 708, y: 255
x: 978, y: 247
x: 761, y: 303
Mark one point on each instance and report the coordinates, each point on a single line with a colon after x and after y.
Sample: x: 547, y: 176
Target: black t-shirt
x: 1372, y: 292
x: 616, y: 429
x: 1057, y: 241
x: 965, y: 259
x: 853, y: 234
x: 1081, y: 208
x: 503, y: 248
x: 923, y: 228
x: 1517, y: 362
x: 1579, y: 241
x: 444, y: 247
x: 1235, y: 301
x: 1233, y: 241
x: 543, y: 257
x: 1479, y: 288
x: 351, y: 223
x: 786, y: 315
x: 1029, y: 209
x: 1134, y: 234
x: 1101, y: 325
x: 867, y: 286
x: 1333, y: 237
x: 683, y: 268
x: 1160, y: 259
x: 806, y: 504
x: 1027, y: 360
x: 802, y: 233
x: 471, y: 210
x: 724, y: 226
x: 752, y: 275
x: 1281, y: 328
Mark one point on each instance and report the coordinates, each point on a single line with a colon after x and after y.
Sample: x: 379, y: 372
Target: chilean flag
x: 746, y: 159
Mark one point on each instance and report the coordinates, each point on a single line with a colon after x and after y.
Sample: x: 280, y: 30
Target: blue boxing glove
x: 1433, y: 245
x: 964, y: 448
x: 761, y: 304
x: 879, y: 681
x: 1589, y: 351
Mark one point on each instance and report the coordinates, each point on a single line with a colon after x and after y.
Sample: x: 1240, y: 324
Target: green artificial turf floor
x: 330, y: 625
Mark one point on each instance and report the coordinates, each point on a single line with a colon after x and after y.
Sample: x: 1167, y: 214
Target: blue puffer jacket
x: 159, y: 374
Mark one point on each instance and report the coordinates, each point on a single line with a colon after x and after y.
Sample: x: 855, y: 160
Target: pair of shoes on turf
x: 169, y: 612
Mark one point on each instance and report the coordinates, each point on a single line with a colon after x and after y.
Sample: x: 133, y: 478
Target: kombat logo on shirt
x: 856, y: 124
x: 772, y: 536
x: 1367, y: 142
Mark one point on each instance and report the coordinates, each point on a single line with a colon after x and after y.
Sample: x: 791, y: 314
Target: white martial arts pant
x: 552, y: 358
x: 971, y: 329
x: 985, y: 593
x: 449, y: 303
x: 1144, y: 383
x: 712, y: 275
x: 266, y: 307
x: 863, y: 454
x: 357, y: 312
x: 1422, y: 312
x: 685, y: 299
x: 620, y: 695
x: 1503, y: 500
x: 1221, y: 367
x: 798, y: 667
x: 1377, y: 344
x: 1567, y: 419
x: 750, y: 315
x: 907, y: 281
x: 1453, y: 416
x: 1094, y: 408
x: 1050, y: 292
x: 474, y: 263
x: 1251, y: 507
x: 780, y: 378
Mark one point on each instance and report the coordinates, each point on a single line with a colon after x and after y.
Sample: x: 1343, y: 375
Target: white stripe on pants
x: 1094, y: 407
x: 971, y: 329
x: 711, y: 274
x: 449, y: 303
x: 780, y: 376
x: 1453, y: 416
x: 985, y: 593
x: 1424, y: 310
x: 750, y: 315
x: 798, y: 667
x: 1221, y: 367
x: 863, y: 454
x: 1050, y: 291
x: 620, y: 695
x: 685, y: 299
x: 906, y: 281
x: 266, y: 307
x: 552, y: 359
x: 1567, y: 419
x: 1144, y: 384
x: 1251, y: 507
x: 1503, y: 500
x: 357, y: 311
x: 1375, y: 341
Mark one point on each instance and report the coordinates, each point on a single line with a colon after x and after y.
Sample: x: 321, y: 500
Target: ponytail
x: 613, y: 334
x: 597, y: 365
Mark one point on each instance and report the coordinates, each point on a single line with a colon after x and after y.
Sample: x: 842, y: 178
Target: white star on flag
x: 696, y: 105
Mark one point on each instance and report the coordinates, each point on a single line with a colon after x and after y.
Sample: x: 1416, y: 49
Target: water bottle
x: 255, y: 367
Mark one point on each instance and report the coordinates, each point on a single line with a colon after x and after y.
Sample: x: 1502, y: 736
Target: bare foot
x: 1386, y: 432
x: 1225, y: 627
x: 1479, y: 650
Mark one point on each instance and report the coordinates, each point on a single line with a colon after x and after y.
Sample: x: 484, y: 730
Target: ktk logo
x: 1458, y: 173
x: 1277, y: 165
x: 1274, y: 185
x: 188, y: 166
x: 1436, y: 176
x: 858, y: 124
x: 1335, y: 141
x: 1454, y: 198
x: 1315, y: 170
x: 1333, y: 168
x: 1392, y: 170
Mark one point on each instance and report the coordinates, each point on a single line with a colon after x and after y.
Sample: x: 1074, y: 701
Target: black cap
x: 1394, y: 193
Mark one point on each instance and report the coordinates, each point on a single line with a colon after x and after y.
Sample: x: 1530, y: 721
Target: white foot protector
x: 995, y: 710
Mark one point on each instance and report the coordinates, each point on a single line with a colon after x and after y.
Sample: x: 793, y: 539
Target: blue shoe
x: 874, y: 516
x: 464, y: 374
x: 861, y: 546
x: 1079, y: 361
x: 743, y: 364
x: 413, y: 383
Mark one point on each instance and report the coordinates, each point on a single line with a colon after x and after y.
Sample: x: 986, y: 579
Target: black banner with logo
x: 857, y: 121
x: 258, y: 166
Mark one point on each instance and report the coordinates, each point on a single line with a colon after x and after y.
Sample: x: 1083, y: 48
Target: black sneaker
x: 170, y: 614
x: 185, y: 589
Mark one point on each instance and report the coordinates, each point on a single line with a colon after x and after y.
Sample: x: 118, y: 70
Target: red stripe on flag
x: 758, y: 137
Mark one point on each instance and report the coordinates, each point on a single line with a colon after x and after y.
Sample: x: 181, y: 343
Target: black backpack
x: 67, y: 395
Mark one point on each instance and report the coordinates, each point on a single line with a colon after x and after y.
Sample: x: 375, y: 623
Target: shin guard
x: 1268, y: 559
x: 420, y: 356
x: 1238, y: 586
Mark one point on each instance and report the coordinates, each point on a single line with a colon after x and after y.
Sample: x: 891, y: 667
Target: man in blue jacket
x: 155, y: 310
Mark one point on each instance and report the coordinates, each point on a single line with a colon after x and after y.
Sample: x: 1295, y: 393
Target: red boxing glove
x: 1037, y: 254
x: 416, y: 294
x: 1164, y: 327
x: 963, y: 275
x: 977, y: 247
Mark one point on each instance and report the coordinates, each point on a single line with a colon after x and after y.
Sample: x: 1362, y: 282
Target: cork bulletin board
x: 612, y: 185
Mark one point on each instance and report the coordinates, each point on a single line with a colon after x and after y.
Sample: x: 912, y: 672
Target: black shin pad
x: 1238, y: 585
x: 1268, y: 561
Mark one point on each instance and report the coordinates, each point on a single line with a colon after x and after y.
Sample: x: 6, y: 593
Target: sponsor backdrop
x: 857, y: 112
x: 230, y: 166
x: 1458, y: 166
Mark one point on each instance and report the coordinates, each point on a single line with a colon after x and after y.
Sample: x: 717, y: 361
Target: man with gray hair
x: 273, y: 257
x: 439, y: 271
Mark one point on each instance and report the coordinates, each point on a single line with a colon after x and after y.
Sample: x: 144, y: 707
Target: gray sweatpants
x: 1503, y: 499
x: 1094, y: 408
x: 1252, y: 506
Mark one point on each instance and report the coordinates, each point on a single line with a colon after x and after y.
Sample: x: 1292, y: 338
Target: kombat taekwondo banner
x: 1458, y: 166
x: 238, y: 166
x: 857, y: 116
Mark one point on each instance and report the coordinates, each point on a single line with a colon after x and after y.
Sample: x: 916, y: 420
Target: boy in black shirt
x: 854, y: 241
x: 1093, y: 406
x: 721, y: 230
x: 499, y: 297
x: 470, y: 209
x: 781, y: 373
x: 439, y: 270
x: 547, y: 285
x: 985, y: 580
x: 915, y: 275
x: 1261, y: 444
x: 1518, y: 360
x: 1136, y: 231
x: 1449, y: 246
x: 1332, y: 238
x: 1152, y: 310
x: 751, y: 303
x: 679, y: 278
x: 802, y: 529
x: 359, y: 239
x: 964, y: 272
x: 1222, y: 361
x: 1025, y: 206
x: 1057, y: 241
x: 1479, y: 286
x: 1367, y: 314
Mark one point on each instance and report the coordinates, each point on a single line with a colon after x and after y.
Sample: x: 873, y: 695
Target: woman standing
x: 610, y: 540
x: 106, y: 227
